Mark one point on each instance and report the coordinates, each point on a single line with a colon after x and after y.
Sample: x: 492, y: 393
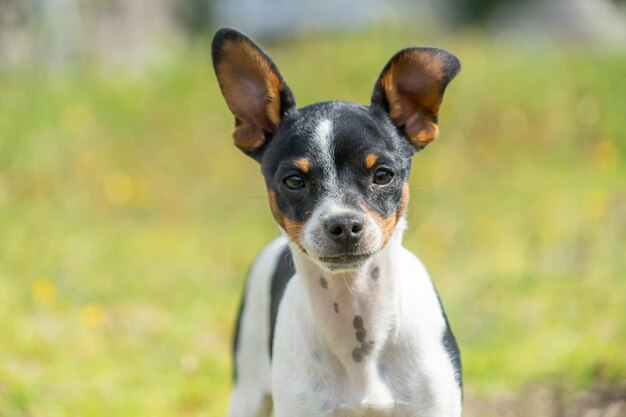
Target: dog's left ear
x: 252, y: 87
x: 410, y: 89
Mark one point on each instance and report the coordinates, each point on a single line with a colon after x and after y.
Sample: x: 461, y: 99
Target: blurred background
x: 128, y: 219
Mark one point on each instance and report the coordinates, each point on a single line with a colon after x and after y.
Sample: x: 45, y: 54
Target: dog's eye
x: 294, y: 182
x: 382, y: 176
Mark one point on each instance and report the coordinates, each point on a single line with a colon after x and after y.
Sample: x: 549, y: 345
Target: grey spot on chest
x: 365, y: 348
x: 360, y: 334
x: 323, y: 282
x: 375, y: 274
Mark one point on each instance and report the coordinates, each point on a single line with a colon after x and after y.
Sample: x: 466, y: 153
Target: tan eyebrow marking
x: 303, y: 164
x: 370, y: 160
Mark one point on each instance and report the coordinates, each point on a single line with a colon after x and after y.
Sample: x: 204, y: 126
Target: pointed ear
x: 410, y: 89
x: 252, y: 87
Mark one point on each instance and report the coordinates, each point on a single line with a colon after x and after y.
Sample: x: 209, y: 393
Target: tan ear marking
x: 252, y: 90
x: 413, y: 85
x: 391, y: 92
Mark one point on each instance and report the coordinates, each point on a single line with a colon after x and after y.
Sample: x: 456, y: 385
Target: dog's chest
x: 367, y: 345
x: 386, y: 385
x: 363, y: 363
x: 353, y: 314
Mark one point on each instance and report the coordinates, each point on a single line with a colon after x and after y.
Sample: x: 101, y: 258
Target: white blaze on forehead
x: 323, y: 148
x: 323, y: 130
x: 322, y: 141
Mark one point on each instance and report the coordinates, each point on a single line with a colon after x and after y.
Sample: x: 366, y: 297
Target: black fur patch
x: 375, y: 274
x: 236, y: 336
x: 360, y: 335
x: 323, y: 282
x: 449, y: 343
x: 357, y: 355
x: 284, y: 271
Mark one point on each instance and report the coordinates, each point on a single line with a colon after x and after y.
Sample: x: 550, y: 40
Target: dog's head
x: 336, y: 172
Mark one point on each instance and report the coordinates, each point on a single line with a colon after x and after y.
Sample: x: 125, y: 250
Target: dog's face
x: 336, y: 178
x: 336, y: 172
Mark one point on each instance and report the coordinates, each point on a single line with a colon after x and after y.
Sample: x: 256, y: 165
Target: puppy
x: 338, y: 318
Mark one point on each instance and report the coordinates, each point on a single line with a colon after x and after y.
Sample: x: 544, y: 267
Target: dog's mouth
x: 345, y: 261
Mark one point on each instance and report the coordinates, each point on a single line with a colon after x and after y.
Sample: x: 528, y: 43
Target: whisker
x: 343, y: 276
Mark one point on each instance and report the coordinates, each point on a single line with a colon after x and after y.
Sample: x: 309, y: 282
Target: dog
x: 338, y: 318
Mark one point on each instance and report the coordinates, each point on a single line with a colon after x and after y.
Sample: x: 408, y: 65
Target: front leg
x: 301, y: 383
x: 445, y: 400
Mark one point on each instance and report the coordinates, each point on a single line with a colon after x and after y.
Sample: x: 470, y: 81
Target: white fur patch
x: 322, y: 141
x: 323, y: 133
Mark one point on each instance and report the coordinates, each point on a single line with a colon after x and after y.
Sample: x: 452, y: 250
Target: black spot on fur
x: 323, y: 282
x: 358, y: 322
x: 336, y: 307
x: 375, y: 274
x: 365, y: 349
x: 360, y: 334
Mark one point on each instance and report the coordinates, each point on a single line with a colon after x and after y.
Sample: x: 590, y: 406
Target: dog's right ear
x: 252, y: 87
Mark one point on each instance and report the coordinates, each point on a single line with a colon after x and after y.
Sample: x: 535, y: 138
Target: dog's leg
x: 249, y: 401
x: 251, y: 396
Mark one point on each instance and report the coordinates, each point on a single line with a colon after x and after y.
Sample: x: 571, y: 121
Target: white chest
x: 342, y: 354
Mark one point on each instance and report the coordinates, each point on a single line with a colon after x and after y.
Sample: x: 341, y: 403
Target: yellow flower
x: 119, y: 188
x: 44, y: 292
x: 92, y: 315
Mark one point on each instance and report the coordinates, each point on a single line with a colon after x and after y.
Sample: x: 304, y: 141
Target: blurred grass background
x: 128, y: 221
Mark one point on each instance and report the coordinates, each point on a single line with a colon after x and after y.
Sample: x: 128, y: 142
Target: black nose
x: 344, y: 229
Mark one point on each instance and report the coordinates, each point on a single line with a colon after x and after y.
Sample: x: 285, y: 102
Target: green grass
x: 128, y: 219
